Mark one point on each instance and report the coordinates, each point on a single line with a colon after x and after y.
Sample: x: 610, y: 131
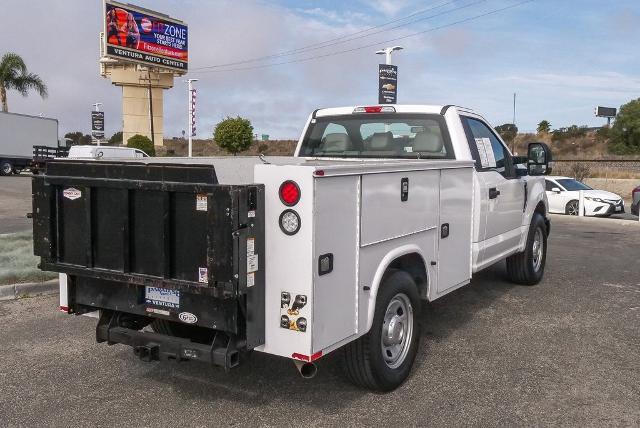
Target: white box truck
x: 19, y: 133
x: 332, y: 249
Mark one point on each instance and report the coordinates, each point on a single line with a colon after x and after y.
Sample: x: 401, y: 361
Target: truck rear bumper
x: 148, y: 346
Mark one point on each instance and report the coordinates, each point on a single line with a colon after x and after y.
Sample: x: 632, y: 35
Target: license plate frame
x: 162, y: 297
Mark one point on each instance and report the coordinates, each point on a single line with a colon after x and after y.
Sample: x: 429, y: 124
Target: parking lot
x: 565, y: 352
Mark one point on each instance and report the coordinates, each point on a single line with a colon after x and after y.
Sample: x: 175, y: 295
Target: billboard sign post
x: 387, y: 84
x: 97, y: 125
x: 608, y: 112
x: 143, y: 36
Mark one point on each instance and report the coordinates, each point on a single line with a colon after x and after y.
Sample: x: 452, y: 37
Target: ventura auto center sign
x: 140, y: 35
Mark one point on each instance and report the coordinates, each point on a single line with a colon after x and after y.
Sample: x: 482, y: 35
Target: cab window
x: 477, y: 131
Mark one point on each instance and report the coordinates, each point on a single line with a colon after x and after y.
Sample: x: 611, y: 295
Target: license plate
x: 162, y: 297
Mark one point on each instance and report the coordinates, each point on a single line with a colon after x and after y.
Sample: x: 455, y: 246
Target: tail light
x: 374, y: 109
x: 289, y: 193
x: 290, y: 222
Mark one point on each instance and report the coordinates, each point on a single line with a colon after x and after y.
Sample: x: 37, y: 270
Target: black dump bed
x: 128, y: 232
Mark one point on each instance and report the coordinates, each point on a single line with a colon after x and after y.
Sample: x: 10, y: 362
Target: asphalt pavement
x: 564, y: 352
x: 15, y: 203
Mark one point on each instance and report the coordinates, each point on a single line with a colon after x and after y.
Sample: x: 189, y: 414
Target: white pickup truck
x: 334, y: 248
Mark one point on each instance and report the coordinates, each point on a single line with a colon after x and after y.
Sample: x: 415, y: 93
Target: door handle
x: 493, y: 193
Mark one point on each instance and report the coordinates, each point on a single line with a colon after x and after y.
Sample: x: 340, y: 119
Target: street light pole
x: 387, y: 52
x: 96, y: 106
x: 190, y: 119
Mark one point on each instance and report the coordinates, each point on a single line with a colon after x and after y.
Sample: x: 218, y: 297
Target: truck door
x: 501, y: 192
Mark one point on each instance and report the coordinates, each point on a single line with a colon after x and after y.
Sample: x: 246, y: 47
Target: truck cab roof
x: 398, y: 108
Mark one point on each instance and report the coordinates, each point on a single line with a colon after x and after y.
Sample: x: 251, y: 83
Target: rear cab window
x: 388, y: 135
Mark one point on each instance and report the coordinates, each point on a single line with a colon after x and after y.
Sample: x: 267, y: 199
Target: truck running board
x: 148, y: 346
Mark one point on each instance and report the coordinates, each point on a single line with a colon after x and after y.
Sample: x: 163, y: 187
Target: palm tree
x: 14, y: 75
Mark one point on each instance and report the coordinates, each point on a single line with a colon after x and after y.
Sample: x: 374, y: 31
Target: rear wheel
x: 572, y: 208
x: 527, y: 267
x: 381, y: 360
x: 6, y: 168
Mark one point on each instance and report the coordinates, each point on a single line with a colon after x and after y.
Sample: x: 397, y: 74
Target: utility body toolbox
x: 150, y: 241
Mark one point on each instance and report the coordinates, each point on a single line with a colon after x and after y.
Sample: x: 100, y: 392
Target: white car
x: 563, y: 194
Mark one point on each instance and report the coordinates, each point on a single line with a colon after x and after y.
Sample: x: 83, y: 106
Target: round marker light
x: 289, y: 193
x: 290, y: 222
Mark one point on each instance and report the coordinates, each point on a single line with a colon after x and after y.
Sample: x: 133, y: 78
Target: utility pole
x: 514, y: 108
x: 192, y: 118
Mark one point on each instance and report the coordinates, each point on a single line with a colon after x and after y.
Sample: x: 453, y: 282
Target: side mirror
x: 539, y: 159
x: 556, y: 190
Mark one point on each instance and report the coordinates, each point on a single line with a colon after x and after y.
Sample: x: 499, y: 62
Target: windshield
x: 393, y: 135
x: 571, y: 185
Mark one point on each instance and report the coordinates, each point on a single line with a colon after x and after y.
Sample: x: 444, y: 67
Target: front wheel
x: 572, y: 208
x: 6, y: 168
x: 527, y: 267
x: 381, y: 360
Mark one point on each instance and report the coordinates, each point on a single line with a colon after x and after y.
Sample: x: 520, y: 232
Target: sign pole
x: 192, y: 118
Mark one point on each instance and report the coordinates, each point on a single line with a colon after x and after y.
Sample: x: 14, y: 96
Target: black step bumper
x: 149, y: 346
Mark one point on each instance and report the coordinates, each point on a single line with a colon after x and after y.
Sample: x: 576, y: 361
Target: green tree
x: 78, y: 138
x: 143, y: 143
x: 625, y: 132
x: 544, y: 127
x: 14, y: 75
x: 508, y: 132
x: 234, y: 134
x: 116, y: 138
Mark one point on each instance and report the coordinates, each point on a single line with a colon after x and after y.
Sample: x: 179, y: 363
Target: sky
x: 561, y: 58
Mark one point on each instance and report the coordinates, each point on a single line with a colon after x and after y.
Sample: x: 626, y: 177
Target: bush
x: 116, y: 139
x: 143, y: 143
x: 625, y: 132
x: 577, y: 170
x: 574, y: 131
x: 234, y: 134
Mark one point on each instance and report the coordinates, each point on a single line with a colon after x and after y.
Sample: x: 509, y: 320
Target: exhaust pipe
x: 306, y: 370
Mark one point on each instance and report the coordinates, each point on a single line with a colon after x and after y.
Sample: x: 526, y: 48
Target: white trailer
x: 381, y: 207
x: 19, y: 133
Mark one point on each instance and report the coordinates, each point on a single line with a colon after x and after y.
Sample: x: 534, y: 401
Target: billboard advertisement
x: 387, y: 84
x: 97, y: 125
x: 606, y: 111
x: 143, y: 36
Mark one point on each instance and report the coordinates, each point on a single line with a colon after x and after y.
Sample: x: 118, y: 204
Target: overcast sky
x: 562, y: 58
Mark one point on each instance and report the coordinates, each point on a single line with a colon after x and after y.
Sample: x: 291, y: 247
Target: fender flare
x: 386, y: 261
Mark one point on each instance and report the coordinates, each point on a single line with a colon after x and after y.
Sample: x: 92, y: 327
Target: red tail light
x: 375, y: 109
x: 289, y: 193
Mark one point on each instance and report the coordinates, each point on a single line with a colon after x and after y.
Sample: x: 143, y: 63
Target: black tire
x: 523, y: 268
x: 6, y: 168
x: 572, y: 208
x: 363, y: 358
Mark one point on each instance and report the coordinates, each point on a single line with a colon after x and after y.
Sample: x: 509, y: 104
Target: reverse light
x: 290, y: 222
x: 289, y: 193
x: 374, y: 109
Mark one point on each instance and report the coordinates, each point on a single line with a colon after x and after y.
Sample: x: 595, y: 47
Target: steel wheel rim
x: 397, y: 330
x: 573, y: 208
x: 538, y: 249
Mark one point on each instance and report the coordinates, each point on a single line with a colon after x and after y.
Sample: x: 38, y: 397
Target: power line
x: 451, y: 24
x: 350, y: 37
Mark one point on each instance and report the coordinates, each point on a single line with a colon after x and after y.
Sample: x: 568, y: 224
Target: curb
x: 17, y: 291
x: 599, y: 220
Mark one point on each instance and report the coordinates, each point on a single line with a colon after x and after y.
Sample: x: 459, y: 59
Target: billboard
x: 606, y: 111
x: 140, y: 35
x: 387, y: 84
x: 97, y: 125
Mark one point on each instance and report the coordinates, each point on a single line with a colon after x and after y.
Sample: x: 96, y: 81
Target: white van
x: 97, y: 152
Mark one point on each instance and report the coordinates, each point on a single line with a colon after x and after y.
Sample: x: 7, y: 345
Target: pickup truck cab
x: 331, y: 249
